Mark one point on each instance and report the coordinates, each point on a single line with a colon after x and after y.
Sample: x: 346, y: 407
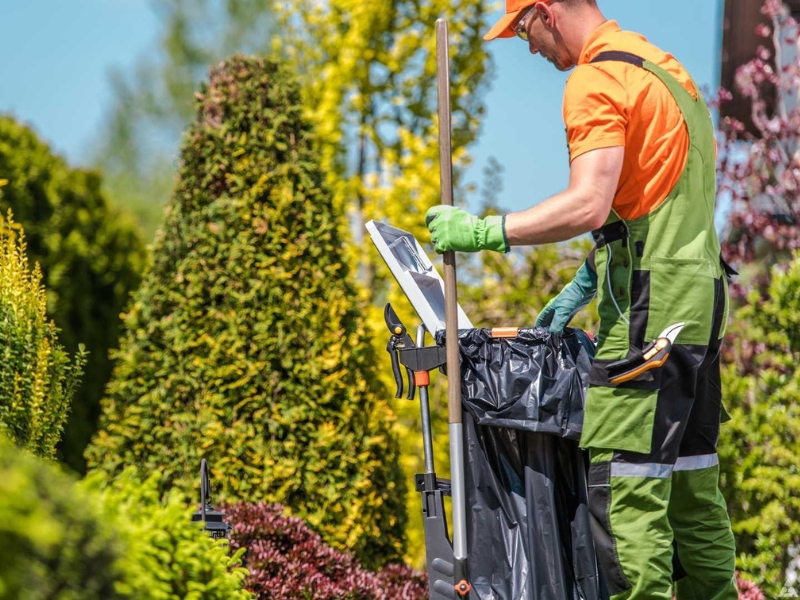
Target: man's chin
x: 564, y: 65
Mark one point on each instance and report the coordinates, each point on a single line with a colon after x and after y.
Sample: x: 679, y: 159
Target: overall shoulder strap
x: 619, y: 56
x: 687, y: 104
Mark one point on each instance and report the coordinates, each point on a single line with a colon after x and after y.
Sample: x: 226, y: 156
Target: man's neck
x: 584, y: 22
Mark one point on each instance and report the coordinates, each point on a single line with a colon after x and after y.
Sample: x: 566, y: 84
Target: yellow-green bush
x: 37, y: 377
x: 54, y: 545
x: 90, y: 255
x: 760, y: 446
x: 246, y: 343
x: 96, y: 540
x: 166, y: 555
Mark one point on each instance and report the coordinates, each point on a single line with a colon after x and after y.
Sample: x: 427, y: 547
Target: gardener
x: 642, y: 180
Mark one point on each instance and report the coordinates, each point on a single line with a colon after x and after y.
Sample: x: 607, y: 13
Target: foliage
x: 368, y: 83
x: 246, y: 342
x: 748, y: 590
x: 94, y: 540
x: 90, y: 256
x: 54, y: 545
x: 166, y: 554
x: 760, y: 448
x: 37, y: 377
x: 154, y: 102
x: 760, y: 175
x: 287, y: 560
x: 511, y: 290
x: 371, y: 89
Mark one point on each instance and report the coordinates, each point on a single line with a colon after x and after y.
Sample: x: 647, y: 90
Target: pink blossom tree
x: 759, y: 175
x: 759, y: 188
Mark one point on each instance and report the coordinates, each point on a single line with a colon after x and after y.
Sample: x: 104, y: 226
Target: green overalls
x: 657, y: 512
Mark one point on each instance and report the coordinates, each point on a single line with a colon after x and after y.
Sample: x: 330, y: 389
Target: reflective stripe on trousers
x: 659, y: 471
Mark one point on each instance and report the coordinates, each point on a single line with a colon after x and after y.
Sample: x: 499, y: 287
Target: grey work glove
x: 576, y: 295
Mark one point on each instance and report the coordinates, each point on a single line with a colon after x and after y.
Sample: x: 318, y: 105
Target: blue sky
x: 57, y: 56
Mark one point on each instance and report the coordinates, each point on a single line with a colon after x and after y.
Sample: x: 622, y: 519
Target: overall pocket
x: 681, y: 291
x: 620, y: 418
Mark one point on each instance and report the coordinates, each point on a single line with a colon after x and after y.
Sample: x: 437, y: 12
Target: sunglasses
x: 521, y: 28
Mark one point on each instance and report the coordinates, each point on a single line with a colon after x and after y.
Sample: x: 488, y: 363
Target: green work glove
x: 575, y: 296
x: 455, y: 229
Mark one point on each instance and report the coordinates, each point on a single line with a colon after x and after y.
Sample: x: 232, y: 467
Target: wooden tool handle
x: 446, y: 182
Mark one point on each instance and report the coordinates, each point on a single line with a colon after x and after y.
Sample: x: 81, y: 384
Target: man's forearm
x: 582, y: 207
x: 559, y: 218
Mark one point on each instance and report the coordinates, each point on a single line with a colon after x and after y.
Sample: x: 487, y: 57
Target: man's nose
x: 532, y: 47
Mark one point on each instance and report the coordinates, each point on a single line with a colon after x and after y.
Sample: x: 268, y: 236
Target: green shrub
x: 760, y: 447
x: 90, y: 255
x: 166, y: 555
x: 37, y: 377
x: 246, y: 343
x: 54, y: 546
x: 103, y: 541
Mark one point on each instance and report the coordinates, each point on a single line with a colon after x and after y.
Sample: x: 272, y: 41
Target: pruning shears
x: 652, y: 356
x: 398, y: 341
x: 417, y: 361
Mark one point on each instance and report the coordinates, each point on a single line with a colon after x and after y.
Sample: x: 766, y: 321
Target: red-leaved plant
x: 760, y: 174
x: 749, y: 590
x: 288, y: 561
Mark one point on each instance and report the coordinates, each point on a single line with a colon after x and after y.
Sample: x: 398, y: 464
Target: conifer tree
x: 246, y: 344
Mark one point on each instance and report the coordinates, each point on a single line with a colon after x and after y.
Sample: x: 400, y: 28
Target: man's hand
x: 455, y: 229
x: 575, y: 296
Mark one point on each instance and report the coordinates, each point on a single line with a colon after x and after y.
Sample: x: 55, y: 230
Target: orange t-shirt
x: 613, y: 103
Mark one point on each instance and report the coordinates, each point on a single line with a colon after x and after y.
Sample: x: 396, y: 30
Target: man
x: 642, y: 180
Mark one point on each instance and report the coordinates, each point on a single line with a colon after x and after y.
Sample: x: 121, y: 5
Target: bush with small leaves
x: 99, y: 540
x: 288, y: 561
x: 91, y: 257
x: 37, y: 377
x: 54, y: 543
x: 760, y: 447
x: 166, y: 554
x: 246, y: 343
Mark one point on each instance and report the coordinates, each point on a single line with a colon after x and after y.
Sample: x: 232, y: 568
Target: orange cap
x: 503, y: 29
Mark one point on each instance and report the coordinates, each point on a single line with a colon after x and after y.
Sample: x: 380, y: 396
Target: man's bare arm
x: 582, y: 207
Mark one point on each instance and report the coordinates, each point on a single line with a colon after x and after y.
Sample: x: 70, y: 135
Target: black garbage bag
x: 528, y: 529
x: 535, y: 381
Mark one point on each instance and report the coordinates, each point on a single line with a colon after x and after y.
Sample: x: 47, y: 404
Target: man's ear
x: 545, y: 12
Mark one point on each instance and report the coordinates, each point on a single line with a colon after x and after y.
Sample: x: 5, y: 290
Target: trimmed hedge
x: 37, y: 377
x: 245, y: 344
x: 288, y: 561
x: 90, y: 254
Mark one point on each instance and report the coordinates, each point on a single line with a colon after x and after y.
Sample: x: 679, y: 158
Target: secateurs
x: 652, y: 356
x: 417, y: 361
